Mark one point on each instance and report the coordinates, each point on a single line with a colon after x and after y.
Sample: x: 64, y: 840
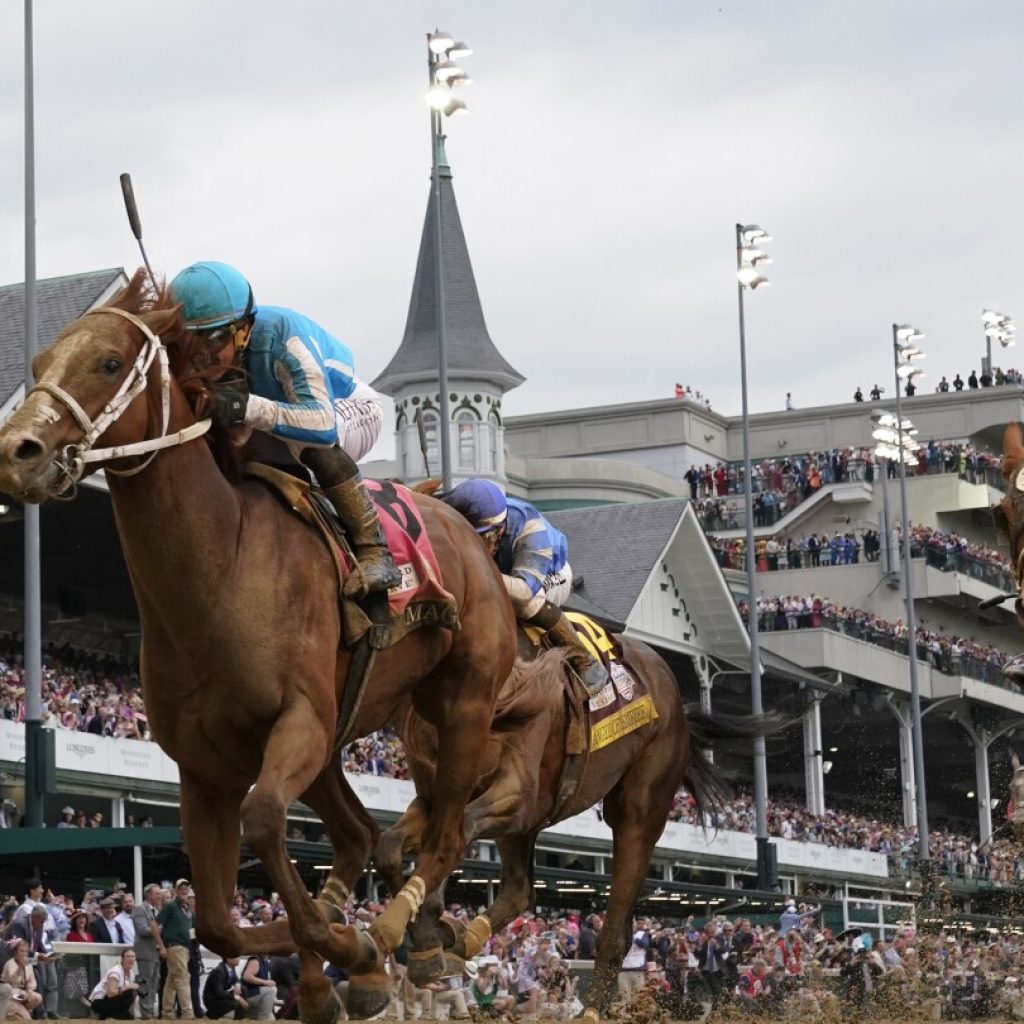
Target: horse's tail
x: 708, y: 783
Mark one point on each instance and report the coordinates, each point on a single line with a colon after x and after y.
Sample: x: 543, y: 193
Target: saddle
x: 381, y: 619
x: 622, y: 707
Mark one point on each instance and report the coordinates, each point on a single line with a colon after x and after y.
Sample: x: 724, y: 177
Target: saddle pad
x: 420, y: 598
x: 593, y: 635
x: 622, y: 707
x: 421, y: 592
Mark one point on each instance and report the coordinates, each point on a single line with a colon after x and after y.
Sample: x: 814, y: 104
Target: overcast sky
x: 609, y: 152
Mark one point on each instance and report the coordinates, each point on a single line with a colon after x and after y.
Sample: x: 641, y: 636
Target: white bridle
x: 76, y: 456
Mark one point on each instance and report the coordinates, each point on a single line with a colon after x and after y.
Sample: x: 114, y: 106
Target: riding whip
x: 136, y: 224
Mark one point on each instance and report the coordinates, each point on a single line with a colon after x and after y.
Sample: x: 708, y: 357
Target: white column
x: 982, y: 789
x: 137, y: 880
x: 814, y: 774
x: 907, y: 764
x: 117, y: 812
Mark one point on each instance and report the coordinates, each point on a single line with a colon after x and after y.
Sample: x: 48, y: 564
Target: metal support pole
x: 33, y: 618
x: 766, y: 876
x: 908, y: 585
x: 814, y: 759
x: 888, y: 564
x: 436, y: 144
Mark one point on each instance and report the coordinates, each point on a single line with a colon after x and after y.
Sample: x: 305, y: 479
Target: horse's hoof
x: 326, y: 1012
x: 427, y: 966
x: 368, y: 995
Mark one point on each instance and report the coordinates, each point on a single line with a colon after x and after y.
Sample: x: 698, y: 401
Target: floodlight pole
x: 767, y: 875
x: 34, y: 774
x: 444, y: 411
x: 915, y: 692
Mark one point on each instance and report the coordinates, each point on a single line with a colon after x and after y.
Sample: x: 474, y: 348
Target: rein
x: 75, y: 457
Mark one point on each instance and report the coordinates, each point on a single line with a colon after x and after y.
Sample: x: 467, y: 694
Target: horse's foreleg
x: 464, y: 720
x: 293, y: 758
x: 636, y: 809
x: 402, y: 838
x: 351, y: 831
x: 515, y: 893
x: 209, y: 818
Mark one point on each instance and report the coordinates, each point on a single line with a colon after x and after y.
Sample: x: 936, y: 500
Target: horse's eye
x: 112, y: 365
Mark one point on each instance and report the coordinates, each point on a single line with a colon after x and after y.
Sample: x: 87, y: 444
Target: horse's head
x: 101, y: 393
x: 1009, y: 513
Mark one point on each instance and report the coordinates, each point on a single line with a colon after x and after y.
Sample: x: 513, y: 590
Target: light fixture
x: 970, y: 794
x: 440, y: 42
x: 459, y: 50
x: 750, y: 278
x: 446, y: 69
x: 826, y: 767
x: 439, y: 96
x: 754, y: 234
x: 455, y: 106
x: 833, y: 750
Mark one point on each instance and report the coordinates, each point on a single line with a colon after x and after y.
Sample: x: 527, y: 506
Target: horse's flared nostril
x: 27, y: 448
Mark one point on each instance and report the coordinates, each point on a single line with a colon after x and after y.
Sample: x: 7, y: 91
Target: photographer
x: 489, y: 989
x: 115, y: 995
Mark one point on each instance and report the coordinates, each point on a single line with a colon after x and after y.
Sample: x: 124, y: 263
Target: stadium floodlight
x: 749, y: 258
x: 444, y: 74
x: 1000, y: 327
x: 905, y: 349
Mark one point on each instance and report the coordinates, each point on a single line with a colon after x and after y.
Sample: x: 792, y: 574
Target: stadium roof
x: 471, y: 353
x: 59, y: 301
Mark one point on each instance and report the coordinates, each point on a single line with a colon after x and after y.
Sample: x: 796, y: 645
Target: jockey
x: 302, y: 390
x: 533, y: 558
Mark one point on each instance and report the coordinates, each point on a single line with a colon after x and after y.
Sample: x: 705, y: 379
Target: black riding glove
x: 227, y: 407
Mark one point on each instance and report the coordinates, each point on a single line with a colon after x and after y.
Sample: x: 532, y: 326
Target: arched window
x: 465, y: 425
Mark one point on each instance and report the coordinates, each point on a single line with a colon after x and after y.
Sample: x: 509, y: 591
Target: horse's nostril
x: 28, y: 449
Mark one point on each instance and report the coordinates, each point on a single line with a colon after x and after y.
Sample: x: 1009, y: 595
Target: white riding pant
x: 360, y: 419
x: 556, y: 588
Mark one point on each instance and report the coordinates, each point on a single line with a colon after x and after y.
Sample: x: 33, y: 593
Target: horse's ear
x: 160, y: 321
x: 1014, y: 760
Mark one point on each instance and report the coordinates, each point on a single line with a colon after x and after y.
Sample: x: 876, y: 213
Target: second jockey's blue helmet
x: 212, y: 295
x: 481, y: 502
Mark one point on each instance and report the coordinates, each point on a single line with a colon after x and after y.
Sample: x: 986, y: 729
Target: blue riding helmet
x: 481, y: 502
x: 212, y: 295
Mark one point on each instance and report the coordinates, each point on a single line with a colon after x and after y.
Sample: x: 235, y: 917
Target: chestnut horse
x: 241, y: 666
x: 636, y: 777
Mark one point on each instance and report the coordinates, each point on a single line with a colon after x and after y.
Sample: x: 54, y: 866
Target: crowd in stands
x: 958, y: 856
x: 782, y: 484
x: 943, y: 550
x: 794, y: 968
x: 949, y: 654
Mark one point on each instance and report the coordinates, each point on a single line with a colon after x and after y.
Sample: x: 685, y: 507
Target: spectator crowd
x: 794, y: 968
x: 943, y: 550
x: 951, y: 655
x: 782, y: 484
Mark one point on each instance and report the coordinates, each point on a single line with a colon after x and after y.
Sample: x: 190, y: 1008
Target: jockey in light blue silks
x: 302, y: 389
x: 534, y: 560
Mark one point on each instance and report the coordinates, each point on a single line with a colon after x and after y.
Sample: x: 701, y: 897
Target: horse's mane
x: 192, y: 363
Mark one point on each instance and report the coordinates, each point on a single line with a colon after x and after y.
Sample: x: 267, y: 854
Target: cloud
x: 609, y: 151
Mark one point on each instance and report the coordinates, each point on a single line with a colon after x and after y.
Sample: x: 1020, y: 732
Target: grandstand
x: 648, y: 554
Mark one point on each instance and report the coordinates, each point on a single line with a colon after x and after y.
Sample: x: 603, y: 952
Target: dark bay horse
x: 241, y: 666
x: 517, y: 795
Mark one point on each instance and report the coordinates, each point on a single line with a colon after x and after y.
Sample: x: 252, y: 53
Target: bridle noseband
x: 74, y: 457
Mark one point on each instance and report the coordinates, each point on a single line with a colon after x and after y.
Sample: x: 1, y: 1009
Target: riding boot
x: 343, y: 486
x: 560, y: 631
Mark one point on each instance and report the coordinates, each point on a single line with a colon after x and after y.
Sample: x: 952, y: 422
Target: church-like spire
x: 471, y: 353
